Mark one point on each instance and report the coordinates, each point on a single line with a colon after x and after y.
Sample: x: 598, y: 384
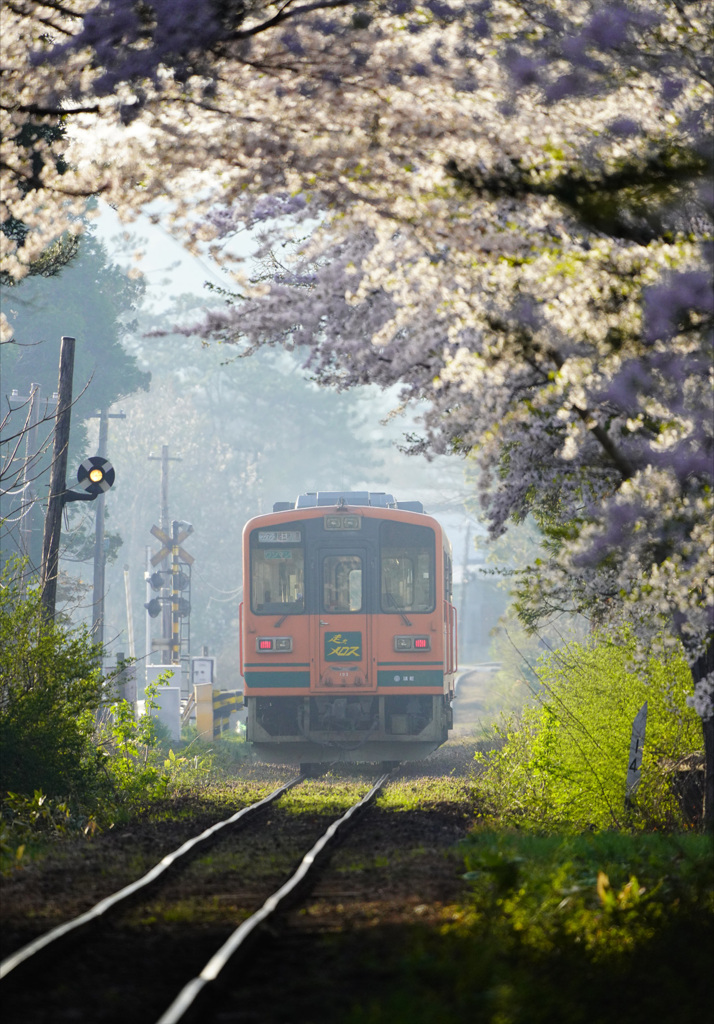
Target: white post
x: 147, y: 617
x: 129, y: 613
x: 637, y: 743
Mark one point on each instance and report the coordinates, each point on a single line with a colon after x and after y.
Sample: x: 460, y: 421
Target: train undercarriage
x: 350, y: 727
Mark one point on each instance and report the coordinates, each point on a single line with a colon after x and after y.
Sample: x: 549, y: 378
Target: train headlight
x: 274, y: 643
x: 342, y: 522
x: 412, y: 643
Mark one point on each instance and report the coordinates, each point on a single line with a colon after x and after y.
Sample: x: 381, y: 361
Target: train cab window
x: 407, y: 568
x: 342, y: 583
x: 277, y: 579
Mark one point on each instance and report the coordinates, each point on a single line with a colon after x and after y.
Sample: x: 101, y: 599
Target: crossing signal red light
x: 165, y: 578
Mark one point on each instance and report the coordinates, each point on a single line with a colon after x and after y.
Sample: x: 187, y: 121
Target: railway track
x: 177, y: 970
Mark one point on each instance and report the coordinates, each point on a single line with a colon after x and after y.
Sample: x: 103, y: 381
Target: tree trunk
x: 702, y: 667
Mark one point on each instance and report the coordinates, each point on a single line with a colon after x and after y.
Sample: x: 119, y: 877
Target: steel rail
x: 184, y: 1001
x: 26, y: 952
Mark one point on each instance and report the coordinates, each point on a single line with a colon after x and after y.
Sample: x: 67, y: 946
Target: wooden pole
x: 58, y: 480
x: 99, y: 554
x: 100, y: 558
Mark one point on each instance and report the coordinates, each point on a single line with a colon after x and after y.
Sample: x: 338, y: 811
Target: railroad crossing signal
x: 175, y: 607
x: 168, y: 544
x: 159, y: 580
x: 154, y: 606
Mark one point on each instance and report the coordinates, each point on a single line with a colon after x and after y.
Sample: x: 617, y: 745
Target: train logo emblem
x: 343, y: 646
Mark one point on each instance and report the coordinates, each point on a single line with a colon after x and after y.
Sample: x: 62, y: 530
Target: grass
x: 607, y: 892
x: 328, y: 795
x: 420, y: 794
x: 578, y: 929
x: 22, y: 844
x: 589, y: 928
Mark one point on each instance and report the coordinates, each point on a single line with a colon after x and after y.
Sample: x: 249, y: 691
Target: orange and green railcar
x: 348, y: 633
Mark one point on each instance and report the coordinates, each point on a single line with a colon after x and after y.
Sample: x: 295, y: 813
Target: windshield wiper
x: 405, y: 620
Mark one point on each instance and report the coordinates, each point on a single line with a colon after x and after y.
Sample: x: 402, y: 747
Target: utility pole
x: 164, y: 487
x: 95, y: 475
x: 58, y: 477
x: 99, y: 552
x: 164, y: 459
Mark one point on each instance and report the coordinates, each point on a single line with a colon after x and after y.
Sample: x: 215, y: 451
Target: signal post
x: 175, y: 581
x: 95, y: 476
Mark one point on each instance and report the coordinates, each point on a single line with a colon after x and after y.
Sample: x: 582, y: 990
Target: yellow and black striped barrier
x: 224, y: 703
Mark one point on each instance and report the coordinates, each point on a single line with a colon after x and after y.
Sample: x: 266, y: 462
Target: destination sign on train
x: 279, y: 537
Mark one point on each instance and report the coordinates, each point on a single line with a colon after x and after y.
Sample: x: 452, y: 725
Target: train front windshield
x: 342, y: 583
x: 341, y: 577
x: 278, y: 573
x: 407, y: 568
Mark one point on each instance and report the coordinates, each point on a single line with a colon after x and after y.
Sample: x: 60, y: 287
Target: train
x: 348, y: 633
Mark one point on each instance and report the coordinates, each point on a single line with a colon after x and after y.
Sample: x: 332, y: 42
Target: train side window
x: 277, y: 580
x: 407, y: 573
x: 342, y: 583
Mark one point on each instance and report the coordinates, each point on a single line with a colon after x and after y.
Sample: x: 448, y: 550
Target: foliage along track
x: 397, y: 872
x: 65, y: 931
x: 133, y: 967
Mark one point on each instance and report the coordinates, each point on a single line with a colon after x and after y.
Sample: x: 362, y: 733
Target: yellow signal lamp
x: 95, y: 475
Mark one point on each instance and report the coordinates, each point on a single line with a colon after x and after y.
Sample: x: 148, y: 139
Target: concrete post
x: 203, y: 693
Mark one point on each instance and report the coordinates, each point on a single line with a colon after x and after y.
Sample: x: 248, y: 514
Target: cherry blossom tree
x: 503, y: 205
x: 551, y: 301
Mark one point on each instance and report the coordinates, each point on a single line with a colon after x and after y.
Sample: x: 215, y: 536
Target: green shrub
x: 50, y: 691
x: 140, y: 762
x: 68, y: 762
x: 604, y: 896
x: 563, y: 761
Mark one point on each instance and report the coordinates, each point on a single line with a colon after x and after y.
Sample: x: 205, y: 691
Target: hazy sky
x: 168, y: 268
